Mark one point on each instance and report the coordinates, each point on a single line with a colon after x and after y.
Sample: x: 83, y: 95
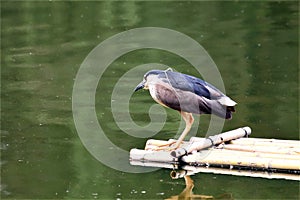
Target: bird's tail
x: 224, y: 107
x: 221, y: 110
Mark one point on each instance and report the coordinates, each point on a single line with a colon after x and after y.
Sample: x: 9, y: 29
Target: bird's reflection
x: 188, y: 194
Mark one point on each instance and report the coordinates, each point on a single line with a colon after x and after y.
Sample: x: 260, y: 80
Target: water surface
x: 255, y: 46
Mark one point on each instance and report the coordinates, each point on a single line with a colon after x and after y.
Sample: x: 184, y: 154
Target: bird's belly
x: 153, y: 92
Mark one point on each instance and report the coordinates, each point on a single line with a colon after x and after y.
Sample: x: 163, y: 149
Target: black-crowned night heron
x: 188, y: 95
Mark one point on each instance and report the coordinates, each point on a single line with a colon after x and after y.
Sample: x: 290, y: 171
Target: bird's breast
x: 155, y: 90
x: 152, y: 92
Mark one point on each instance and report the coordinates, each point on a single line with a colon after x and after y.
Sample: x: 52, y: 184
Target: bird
x: 187, y: 94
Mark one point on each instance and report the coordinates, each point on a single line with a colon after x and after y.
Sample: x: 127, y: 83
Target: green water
x: 254, y: 45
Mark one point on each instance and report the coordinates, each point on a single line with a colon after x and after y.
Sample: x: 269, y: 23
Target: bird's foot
x: 170, y: 146
x: 164, y: 149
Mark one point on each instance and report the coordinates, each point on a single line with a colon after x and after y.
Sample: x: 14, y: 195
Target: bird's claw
x: 162, y: 149
x: 165, y: 147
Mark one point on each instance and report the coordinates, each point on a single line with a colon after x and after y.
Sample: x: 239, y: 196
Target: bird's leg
x: 189, y: 120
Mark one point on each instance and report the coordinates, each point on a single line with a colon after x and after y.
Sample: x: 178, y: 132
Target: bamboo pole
x: 229, y: 152
x: 212, y: 140
x: 152, y: 156
x: 218, y: 158
x: 265, y: 149
x: 154, y: 164
x: 266, y: 142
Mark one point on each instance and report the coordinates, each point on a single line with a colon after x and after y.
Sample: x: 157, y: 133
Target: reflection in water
x: 187, y: 193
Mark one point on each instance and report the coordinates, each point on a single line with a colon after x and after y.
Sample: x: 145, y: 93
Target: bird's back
x: 195, y: 85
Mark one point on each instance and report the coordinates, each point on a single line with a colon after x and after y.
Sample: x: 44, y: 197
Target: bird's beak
x: 141, y: 85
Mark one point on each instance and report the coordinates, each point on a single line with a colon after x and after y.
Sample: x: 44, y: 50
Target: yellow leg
x: 189, y: 120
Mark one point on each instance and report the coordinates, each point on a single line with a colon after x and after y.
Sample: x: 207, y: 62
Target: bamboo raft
x: 231, y: 152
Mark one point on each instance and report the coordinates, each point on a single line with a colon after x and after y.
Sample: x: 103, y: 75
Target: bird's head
x: 149, y: 77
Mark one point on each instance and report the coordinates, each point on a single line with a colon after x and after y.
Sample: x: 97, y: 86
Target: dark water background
x: 254, y: 44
